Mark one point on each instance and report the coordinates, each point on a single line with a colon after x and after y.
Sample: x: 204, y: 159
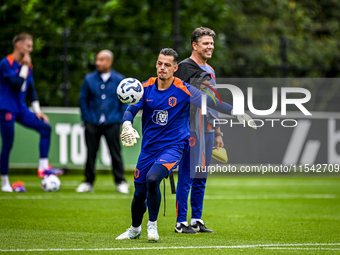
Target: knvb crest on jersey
x: 172, y: 101
x: 136, y: 173
x: 160, y: 117
x: 192, y: 141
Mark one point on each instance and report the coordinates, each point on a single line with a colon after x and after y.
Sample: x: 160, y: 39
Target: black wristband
x: 219, y: 134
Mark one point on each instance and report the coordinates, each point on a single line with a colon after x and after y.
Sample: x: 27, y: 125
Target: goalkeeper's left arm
x: 224, y: 108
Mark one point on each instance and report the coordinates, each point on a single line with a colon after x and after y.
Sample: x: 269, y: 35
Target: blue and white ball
x: 50, y: 183
x: 130, y: 91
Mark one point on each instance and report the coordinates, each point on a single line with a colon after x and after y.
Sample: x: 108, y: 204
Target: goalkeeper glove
x: 245, y: 118
x: 129, y: 134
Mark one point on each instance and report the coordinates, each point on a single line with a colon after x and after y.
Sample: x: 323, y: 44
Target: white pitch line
x: 206, y: 197
x: 277, y: 196
x: 182, y: 247
x: 300, y: 248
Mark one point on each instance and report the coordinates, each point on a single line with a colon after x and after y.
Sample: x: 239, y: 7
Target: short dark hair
x: 170, y: 52
x: 201, y: 31
x: 21, y: 37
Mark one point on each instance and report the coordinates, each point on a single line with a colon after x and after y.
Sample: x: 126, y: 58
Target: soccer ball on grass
x: 50, y: 183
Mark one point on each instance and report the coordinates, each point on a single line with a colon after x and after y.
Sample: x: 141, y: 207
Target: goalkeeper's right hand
x: 129, y: 134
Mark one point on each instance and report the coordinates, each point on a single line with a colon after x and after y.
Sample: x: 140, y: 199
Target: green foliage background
x: 248, y: 43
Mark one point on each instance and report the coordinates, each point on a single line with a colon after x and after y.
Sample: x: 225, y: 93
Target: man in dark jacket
x: 102, y: 113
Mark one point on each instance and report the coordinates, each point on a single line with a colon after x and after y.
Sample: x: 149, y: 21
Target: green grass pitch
x: 248, y: 215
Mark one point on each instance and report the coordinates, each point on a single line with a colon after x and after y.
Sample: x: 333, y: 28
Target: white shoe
x: 6, y: 188
x: 152, y: 233
x: 85, y: 187
x: 129, y: 234
x: 123, y: 188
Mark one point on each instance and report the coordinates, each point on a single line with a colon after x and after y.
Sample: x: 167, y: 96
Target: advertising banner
x: 68, y: 148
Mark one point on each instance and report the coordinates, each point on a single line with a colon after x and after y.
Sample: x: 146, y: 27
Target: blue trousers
x: 187, y: 183
x: 148, y: 195
x: 151, y: 169
x: 27, y: 119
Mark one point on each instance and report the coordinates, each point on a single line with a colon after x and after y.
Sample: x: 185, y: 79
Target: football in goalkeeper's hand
x: 130, y: 91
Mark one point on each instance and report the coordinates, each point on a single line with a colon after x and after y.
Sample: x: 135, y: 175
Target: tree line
x: 264, y: 38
